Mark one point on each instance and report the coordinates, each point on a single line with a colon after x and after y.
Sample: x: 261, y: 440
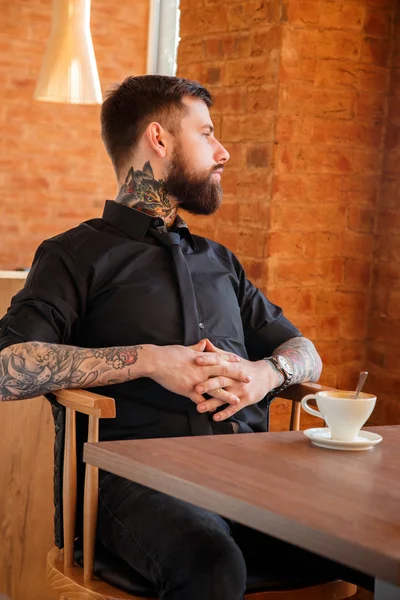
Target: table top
x: 342, y: 505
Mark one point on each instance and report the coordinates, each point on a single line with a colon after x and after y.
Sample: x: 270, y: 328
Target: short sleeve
x: 50, y: 306
x: 264, y: 324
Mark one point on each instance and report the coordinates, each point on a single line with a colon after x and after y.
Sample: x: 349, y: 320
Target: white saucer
x: 321, y: 436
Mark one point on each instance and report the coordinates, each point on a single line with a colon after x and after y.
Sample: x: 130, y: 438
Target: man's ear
x: 157, y: 139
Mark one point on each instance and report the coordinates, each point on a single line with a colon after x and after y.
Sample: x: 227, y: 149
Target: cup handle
x: 308, y: 409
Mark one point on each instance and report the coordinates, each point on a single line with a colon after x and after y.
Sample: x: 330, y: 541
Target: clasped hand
x: 205, y: 369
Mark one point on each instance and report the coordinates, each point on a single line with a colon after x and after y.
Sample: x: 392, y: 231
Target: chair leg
x: 295, y: 416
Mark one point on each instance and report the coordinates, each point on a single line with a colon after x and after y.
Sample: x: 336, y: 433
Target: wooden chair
x: 73, y: 582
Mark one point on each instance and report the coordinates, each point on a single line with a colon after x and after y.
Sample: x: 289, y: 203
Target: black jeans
x: 187, y: 552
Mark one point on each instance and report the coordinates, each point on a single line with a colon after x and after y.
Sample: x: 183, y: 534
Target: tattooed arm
x: 304, y: 358
x: 31, y: 369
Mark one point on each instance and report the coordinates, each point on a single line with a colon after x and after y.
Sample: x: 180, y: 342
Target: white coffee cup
x: 343, y: 413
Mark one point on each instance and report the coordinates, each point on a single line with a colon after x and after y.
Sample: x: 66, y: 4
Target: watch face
x: 285, y: 365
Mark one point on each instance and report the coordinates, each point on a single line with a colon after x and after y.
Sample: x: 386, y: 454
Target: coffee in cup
x: 342, y: 411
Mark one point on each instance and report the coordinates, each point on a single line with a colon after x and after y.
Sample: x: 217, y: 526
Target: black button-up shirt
x: 116, y: 281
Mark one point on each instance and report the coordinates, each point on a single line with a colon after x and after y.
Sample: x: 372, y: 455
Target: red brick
x: 311, y: 217
x: 237, y: 159
x: 254, y: 214
x: 212, y: 20
x: 252, y: 242
x: 323, y: 44
x: 390, y: 195
x: 345, y: 132
x: 247, y: 128
x: 386, y: 276
x: 245, y: 15
x: 259, y: 155
x: 354, y: 327
x: 355, y: 245
x: 394, y: 305
x: 292, y: 272
x: 335, y: 74
x: 377, y: 23
x: 357, y: 274
x: 302, y: 12
x: 247, y: 71
x: 229, y: 213
x: 331, y: 301
x: 294, y: 68
x: 227, y: 46
x: 228, y: 101
x: 256, y: 269
x: 190, y: 50
x: 376, y: 51
x: 294, y: 300
x: 306, y: 100
x: 294, y: 129
x: 389, y: 221
x: 342, y: 15
x: 261, y: 98
x: 394, y: 108
x: 266, y: 41
x: 371, y: 106
x: 247, y: 183
x: 361, y: 219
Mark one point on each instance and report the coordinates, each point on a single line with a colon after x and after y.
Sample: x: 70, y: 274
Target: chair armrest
x: 298, y: 391
x: 88, y: 403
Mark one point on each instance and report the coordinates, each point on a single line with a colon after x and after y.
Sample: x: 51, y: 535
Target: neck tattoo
x: 143, y: 192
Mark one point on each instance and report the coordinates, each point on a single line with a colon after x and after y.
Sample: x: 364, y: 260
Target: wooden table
x: 344, y: 506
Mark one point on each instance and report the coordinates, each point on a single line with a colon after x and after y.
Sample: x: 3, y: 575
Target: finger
x: 227, y: 412
x: 209, y: 405
x: 236, y: 372
x: 214, y: 383
x: 196, y: 398
x: 212, y: 358
x: 221, y: 397
x: 211, y: 348
x: 200, y: 346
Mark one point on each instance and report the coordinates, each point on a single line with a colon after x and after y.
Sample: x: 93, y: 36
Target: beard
x: 196, y: 192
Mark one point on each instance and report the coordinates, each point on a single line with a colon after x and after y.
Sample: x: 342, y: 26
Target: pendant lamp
x: 69, y: 71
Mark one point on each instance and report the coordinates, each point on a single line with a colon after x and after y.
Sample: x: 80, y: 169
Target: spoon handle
x: 361, y: 380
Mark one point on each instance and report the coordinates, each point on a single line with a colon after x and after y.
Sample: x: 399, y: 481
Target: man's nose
x: 222, y: 155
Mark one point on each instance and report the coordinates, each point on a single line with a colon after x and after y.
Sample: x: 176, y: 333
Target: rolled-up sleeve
x: 50, y: 306
x: 264, y: 324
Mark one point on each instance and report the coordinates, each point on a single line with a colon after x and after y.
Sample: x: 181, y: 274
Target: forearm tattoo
x: 304, y: 357
x: 34, y: 368
x: 143, y: 192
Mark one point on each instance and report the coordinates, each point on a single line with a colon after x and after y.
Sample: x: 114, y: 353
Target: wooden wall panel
x: 26, y: 487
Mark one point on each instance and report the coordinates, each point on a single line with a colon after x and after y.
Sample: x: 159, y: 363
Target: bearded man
x: 168, y: 324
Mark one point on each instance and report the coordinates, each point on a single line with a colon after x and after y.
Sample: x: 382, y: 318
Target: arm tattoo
x: 143, y: 192
x: 34, y: 368
x: 304, y: 357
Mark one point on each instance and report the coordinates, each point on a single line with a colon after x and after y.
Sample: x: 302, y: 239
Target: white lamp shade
x: 69, y: 71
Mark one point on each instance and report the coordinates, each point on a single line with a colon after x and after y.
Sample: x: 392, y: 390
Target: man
x: 168, y: 324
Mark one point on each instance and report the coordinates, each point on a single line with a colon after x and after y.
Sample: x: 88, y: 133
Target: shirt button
x: 202, y: 326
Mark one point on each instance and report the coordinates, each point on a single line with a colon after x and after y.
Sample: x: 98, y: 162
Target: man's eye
x: 207, y: 135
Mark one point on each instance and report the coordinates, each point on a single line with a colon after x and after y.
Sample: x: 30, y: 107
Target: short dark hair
x: 132, y: 105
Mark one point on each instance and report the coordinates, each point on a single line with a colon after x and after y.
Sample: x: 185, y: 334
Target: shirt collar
x: 135, y: 223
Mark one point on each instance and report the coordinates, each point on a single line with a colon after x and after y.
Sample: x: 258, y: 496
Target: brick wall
x: 54, y: 172
x: 301, y: 90
x: 384, y: 331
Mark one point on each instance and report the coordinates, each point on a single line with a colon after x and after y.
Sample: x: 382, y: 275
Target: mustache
x: 217, y: 168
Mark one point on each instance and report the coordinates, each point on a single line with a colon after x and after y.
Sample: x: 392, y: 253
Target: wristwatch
x: 284, y: 366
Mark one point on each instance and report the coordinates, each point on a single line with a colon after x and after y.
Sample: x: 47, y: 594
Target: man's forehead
x: 197, y: 111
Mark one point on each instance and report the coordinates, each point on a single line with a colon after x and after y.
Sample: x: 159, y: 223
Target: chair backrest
x: 96, y: 407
